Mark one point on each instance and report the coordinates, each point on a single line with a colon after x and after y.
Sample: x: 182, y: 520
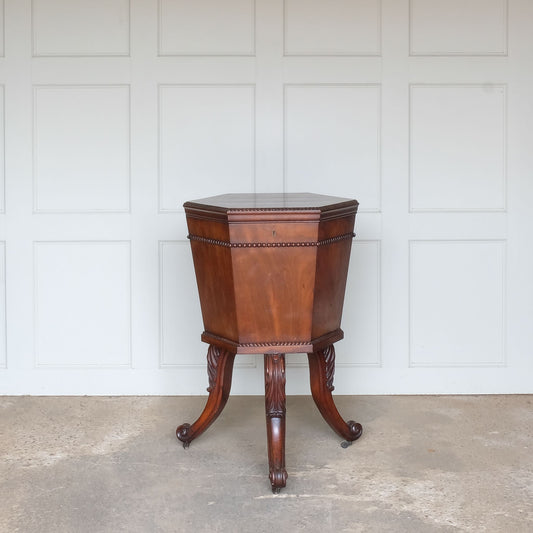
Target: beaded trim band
x: 218, y: 242
x: 280, y: 346
x: 260, y: 344
x: 267, y: 344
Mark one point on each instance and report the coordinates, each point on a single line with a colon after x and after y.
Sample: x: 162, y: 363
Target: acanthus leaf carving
x: 213, y: 356
x: 329, y: 360
x: 275, y: 385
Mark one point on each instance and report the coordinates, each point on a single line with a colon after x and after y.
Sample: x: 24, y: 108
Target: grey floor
x: 423, y: 464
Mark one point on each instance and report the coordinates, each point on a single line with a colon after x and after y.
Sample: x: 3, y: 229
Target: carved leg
x: 275, y: 418
x: 322, y: 371
x: 219, y: 370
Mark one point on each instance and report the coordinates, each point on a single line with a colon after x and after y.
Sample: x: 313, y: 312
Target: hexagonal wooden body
x: 271, y: 269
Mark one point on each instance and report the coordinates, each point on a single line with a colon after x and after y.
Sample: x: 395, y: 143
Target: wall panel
x: 2, y: 151
x: 2, y: 28
x: 206, y: 27
x: 3, y: 318
x: 457, y: 303
x: 361, y: 319
x: 179, y: 307
x: 207, y: 142
x: 81, y: 148
x: 179, y: 311
x: 332, y: 141
x: 458, y: 27
x: 337, y: 27
x: 82, y: 313
x: 458, y: 147
x: 80, y: 28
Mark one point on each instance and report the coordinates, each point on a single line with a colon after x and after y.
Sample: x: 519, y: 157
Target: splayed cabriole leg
x: 322, y: 371
x: 219, y: 370
x: 275, y: 418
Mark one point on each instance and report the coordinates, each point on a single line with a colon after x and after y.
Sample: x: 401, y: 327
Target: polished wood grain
x: 275, y: 418
x: 321, y: 371
x: 219, y: 370
x: 271, y: 271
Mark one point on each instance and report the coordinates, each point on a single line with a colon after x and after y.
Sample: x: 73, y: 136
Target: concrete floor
x: 423, y: 464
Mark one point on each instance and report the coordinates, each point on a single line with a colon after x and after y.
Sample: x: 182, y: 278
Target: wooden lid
x: 242, y: 207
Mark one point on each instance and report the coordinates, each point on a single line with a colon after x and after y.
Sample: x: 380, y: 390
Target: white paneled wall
x: 81, y: 148
x: 342, y: 123
x: 80, y: 28
x: 459, y: 320
x: 458, y: 27
x: 458, y: 143
x: 363, y: 312
x: 206, y: 27
x: 2, y: 150
x: 82, y: 313
x: 3, y: 354
x: 206, y: 136
x: 337, y: 27
x: 113, y: 113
